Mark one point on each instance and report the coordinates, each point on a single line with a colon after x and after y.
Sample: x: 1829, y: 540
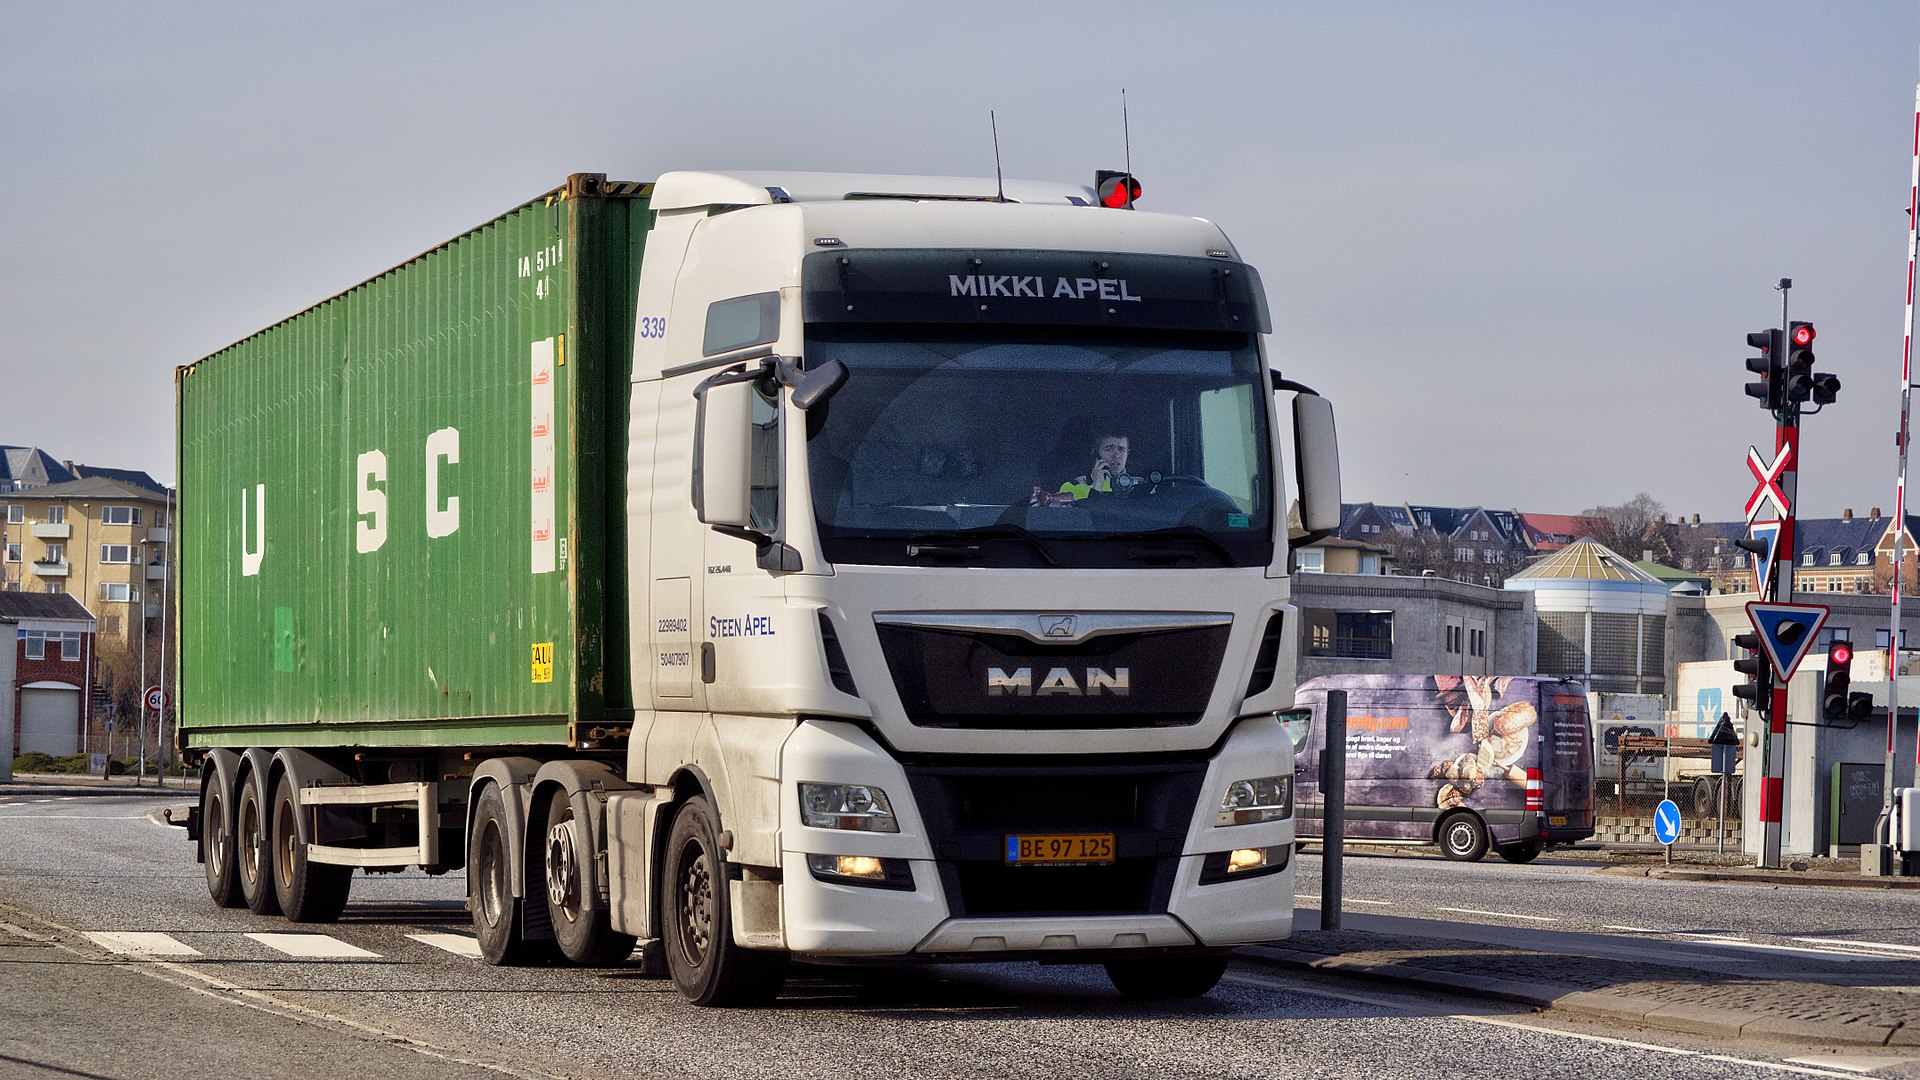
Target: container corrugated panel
x: 401, y: 517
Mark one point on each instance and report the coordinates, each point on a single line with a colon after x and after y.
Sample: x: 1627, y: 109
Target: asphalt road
x: 92, y: 891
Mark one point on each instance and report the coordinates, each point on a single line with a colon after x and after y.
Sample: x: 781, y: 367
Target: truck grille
x: 989, y: 680
x: 971, y: 809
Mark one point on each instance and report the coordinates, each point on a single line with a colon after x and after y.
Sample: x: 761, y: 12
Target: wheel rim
x: 493, y: 877
x: 250, y: 840
x: 214, y: 827
x: 563, y: 870
x: 286, y: 842
x: 1460, y: 838
x: 696, y: 903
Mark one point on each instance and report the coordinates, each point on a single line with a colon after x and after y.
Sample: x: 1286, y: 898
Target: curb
x: 1686, y: 1019
x: 1831, y: 881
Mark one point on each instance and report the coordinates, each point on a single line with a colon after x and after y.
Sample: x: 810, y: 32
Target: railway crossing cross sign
x: 1786, y: 632
x: 1768, y: 475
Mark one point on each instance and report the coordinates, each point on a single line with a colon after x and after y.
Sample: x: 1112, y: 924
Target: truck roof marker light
x: 828, y: 242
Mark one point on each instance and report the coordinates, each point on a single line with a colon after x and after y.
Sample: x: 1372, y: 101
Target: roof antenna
x: 1126, y: 138
x: 998, y: 179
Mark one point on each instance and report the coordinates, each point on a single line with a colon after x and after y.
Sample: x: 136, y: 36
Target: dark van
x: 1470, y: 763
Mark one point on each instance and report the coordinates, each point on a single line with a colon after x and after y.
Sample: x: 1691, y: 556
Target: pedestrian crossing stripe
x: 458, y: 944
x: 141, y: 944
x: 313, y: 946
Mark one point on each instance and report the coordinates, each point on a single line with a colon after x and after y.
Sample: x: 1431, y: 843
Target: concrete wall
x: 1422, y: 608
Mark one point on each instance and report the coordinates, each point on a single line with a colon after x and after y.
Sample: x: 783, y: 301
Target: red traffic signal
x: 1840, y: 653
x: 1117, y: 190
x: 1803, y: 334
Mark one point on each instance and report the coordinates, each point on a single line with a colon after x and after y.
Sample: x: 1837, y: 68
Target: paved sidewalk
x: 45, y: 784
x: 1884, y: 1012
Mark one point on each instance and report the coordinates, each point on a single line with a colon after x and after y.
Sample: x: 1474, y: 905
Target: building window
x: 1369, y: 564
x: 55, y: 588
x: 1349, y: 635
x: 1833, y: 559
x: 16, y: 514
x: 1453, y: 638
x: 13, y: 552
x: 1491, y: 557
x: 57, y: 514
x: 35, y: 643
x: 116, y: 553
x: 1880, y: 639
x: 119, y: 515
x: 1310, y: 561
x: 1807, y: 559
x: 56, y: 553
x: 1862, y: 559
x: 66, y: 644
x: 116, y: 592
x: 1464, y: 554
x: 1476, y: 643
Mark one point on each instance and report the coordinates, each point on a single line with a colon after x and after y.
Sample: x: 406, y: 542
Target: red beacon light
x: 1116, y: 190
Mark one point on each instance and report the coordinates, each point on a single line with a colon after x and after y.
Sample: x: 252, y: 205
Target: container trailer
x: 844, y: 568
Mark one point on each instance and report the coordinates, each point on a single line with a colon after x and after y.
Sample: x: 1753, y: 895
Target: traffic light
x: 1799, y: 362
x: 1758, y: 690
x: 1768, y: 388
x: 1834, y: 701
x: 1116, y: 189
x: 1826, y: 387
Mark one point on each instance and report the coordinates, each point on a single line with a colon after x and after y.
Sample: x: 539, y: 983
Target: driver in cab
x: 1108, y: 473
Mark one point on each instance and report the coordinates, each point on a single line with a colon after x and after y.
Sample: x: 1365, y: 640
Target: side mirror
x: 722, y: 458
x: 818, y: 384
x: 1316, y: 456
x: 1298, y: 724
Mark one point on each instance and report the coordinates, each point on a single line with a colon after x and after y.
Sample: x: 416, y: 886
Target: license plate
x: 1557, y: 819
x: 1060, y: 848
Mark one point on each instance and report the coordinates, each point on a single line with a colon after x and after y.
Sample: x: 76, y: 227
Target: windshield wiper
x: 1010, y: 531
x: 1174, y: 532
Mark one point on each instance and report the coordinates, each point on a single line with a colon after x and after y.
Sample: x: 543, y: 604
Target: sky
x: 1519, y: 245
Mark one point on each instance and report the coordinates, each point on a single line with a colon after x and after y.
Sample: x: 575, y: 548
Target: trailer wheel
x: 708, y: 967
x: 585, y: 935
x: 254, y: 851
x: 309, y: 892
x: 217, y: 847
x: 1463, y: 838
x: 496, y: 911
x: 1522, y: 852
x: 1166, y: 976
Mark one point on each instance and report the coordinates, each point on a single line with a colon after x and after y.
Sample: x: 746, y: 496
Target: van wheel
x: 309, y: 892
x: 585, y: 933
x: 1521, y: 853
x: 1463, y: 838
x: 253, y: 850
x: 217, y: 847
x: 708, y: 967
x: 1166, y: 976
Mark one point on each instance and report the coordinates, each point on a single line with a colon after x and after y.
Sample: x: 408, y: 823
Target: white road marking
x: 1850, y: 942
x: 1858, y: 1063
x: 1824, y: 954
x: 458, y: 944
x: 1629, y: 929
x: 312, y: 946
x: 1367, y: 999
x: 141, y: 944
x: 1498, y: 914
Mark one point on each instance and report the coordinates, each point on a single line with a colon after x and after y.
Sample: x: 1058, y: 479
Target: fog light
x: 858, y: 866
x: 1246, y: 859
x: 864, y: 870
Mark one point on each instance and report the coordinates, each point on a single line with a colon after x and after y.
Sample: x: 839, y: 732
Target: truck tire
x: 497, y: 922
x: 1523, y: 852
x: 707, y: 965
x: 217, y: 847
x: 253, y: 850
x: 1166, y: 977
x: 309, y: 892
x: 1463, y: 838
x: 585, y: 934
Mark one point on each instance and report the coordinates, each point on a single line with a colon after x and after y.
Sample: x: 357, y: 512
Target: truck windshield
x: 1042, y: 446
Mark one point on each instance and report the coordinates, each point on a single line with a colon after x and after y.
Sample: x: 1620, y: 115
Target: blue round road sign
x: 1666, y: 822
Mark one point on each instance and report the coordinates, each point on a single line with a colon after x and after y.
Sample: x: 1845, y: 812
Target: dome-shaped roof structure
x: 1586, y: 559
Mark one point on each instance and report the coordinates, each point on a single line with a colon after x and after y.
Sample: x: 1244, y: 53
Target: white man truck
x: 701, y: 562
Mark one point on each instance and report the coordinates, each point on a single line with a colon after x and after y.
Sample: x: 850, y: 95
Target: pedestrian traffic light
x: 1767, y: 388
x: 1757, y: 691
x: 1833, y: 699
x: 1115, y: 189
x: 1826, y: 387
x: 1799, y: 362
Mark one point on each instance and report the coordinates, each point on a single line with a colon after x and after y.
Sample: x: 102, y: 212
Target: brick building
x: 52, y: 645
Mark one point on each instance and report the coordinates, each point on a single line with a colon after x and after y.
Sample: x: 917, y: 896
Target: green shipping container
x: 402, y: 511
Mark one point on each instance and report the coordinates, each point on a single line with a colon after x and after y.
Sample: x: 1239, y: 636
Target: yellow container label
x: 543, y: 661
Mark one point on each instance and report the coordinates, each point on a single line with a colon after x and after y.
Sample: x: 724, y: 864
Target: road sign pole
x: 1773, y: 782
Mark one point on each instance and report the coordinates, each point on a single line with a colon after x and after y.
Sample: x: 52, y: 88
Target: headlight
x: 846, y: 806
x: 1268, y: 798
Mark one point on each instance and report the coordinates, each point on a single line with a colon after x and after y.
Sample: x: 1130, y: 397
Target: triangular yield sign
x: 1786, y: 632
x: 1768, y: 533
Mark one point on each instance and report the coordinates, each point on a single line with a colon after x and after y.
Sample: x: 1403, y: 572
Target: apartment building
x: 102, y: 540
